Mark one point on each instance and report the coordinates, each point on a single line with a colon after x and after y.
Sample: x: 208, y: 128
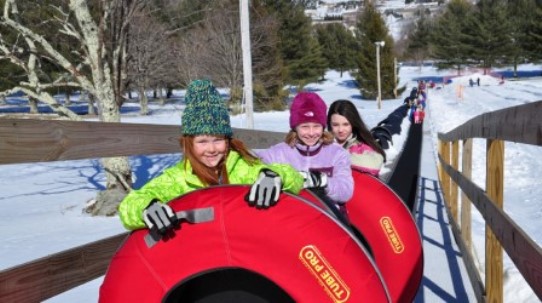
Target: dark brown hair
x: 359, y: 129
x: 209, y: 175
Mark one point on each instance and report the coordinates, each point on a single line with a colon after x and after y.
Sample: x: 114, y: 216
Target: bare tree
x: 222, y: 52
x: 149, y: 56
x: 187, y: 57
x: 213, y: 49
x: 95, y: 63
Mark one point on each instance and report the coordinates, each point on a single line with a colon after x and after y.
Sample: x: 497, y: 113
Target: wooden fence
x: 25, y: 141
x: 521, y: 124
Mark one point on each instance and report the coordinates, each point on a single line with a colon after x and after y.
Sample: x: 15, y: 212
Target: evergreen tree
x: 266, y: 61
x: 300, y: 51
x: 532, y: 28
x: 522, y: 18
x: 310, y: 66
x: 489, y: 33
x: 339, y: 46
x: 419, y: 38
x: 371, y: 28
x: 447, y: 39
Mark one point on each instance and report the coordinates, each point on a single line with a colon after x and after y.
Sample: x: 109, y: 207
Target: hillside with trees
x: 487, y: 34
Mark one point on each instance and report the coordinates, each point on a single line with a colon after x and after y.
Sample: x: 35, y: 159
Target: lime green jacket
x: 178, y: 180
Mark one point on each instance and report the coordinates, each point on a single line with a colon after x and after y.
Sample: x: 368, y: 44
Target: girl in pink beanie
x: 311, y: 150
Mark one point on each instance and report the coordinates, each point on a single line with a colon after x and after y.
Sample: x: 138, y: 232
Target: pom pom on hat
x: 205, y: 112
x: 307, y: 107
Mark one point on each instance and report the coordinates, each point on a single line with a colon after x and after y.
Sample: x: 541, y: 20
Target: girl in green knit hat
x: 211, y: 157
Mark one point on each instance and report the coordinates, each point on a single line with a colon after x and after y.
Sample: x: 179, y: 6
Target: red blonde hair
x: 214, y: 175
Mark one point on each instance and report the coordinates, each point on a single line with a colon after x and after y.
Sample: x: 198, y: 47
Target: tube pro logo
x: 332, y: 283
x: 393, y: 236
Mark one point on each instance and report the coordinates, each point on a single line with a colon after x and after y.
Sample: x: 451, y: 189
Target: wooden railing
x: 521, y: 124
x: 24, y: 141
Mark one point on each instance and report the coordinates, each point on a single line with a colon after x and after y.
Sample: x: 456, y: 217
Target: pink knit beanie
x: 307, y: 107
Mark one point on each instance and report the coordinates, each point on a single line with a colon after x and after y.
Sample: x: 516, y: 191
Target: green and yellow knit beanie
x: 205, y: 112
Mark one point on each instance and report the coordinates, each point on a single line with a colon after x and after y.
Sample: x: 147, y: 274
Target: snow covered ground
x: 41, y: 203
x: 522, y: 162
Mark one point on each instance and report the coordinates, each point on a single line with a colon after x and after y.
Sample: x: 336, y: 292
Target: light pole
x: 378, y: 44
x: 247, y: 61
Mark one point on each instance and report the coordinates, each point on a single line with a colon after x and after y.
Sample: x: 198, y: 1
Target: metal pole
x: 379, y: 98
x: 247, y: 61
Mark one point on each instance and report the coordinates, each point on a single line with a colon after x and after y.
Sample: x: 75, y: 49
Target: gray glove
x: 160, y: 218
x: 265, y: 192
x: 314, y: 179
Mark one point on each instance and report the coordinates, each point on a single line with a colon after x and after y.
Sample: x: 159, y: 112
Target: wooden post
x: 440, y: 169
x: 453, y: 185
x: 494, y: 189
x: 466, y: 169
x: 445, y: 177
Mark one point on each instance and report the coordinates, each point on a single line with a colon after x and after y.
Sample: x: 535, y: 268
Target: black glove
x: 160, y: 218
x: 314, y: 179
x: 265, y: 191
x: 382, y: 135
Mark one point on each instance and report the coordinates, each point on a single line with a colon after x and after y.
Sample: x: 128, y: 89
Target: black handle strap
x: 193, y: 216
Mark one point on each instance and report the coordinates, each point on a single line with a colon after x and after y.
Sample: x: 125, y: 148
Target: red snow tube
x: 293, y: 252
x: 391, y: 231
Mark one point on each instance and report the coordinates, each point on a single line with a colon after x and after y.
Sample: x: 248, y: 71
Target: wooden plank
x: 258, y: 139
x: 466, y: 220
x: 453, y: 185
x: 25, y: 140
x: 522, y: 250
x: 47, y: 277
x: 445, y: 177
x: 440, y: 170
x: 466, y: 254
x: 495, y: 191
x: 45, y: 140
x: 521, y: 124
